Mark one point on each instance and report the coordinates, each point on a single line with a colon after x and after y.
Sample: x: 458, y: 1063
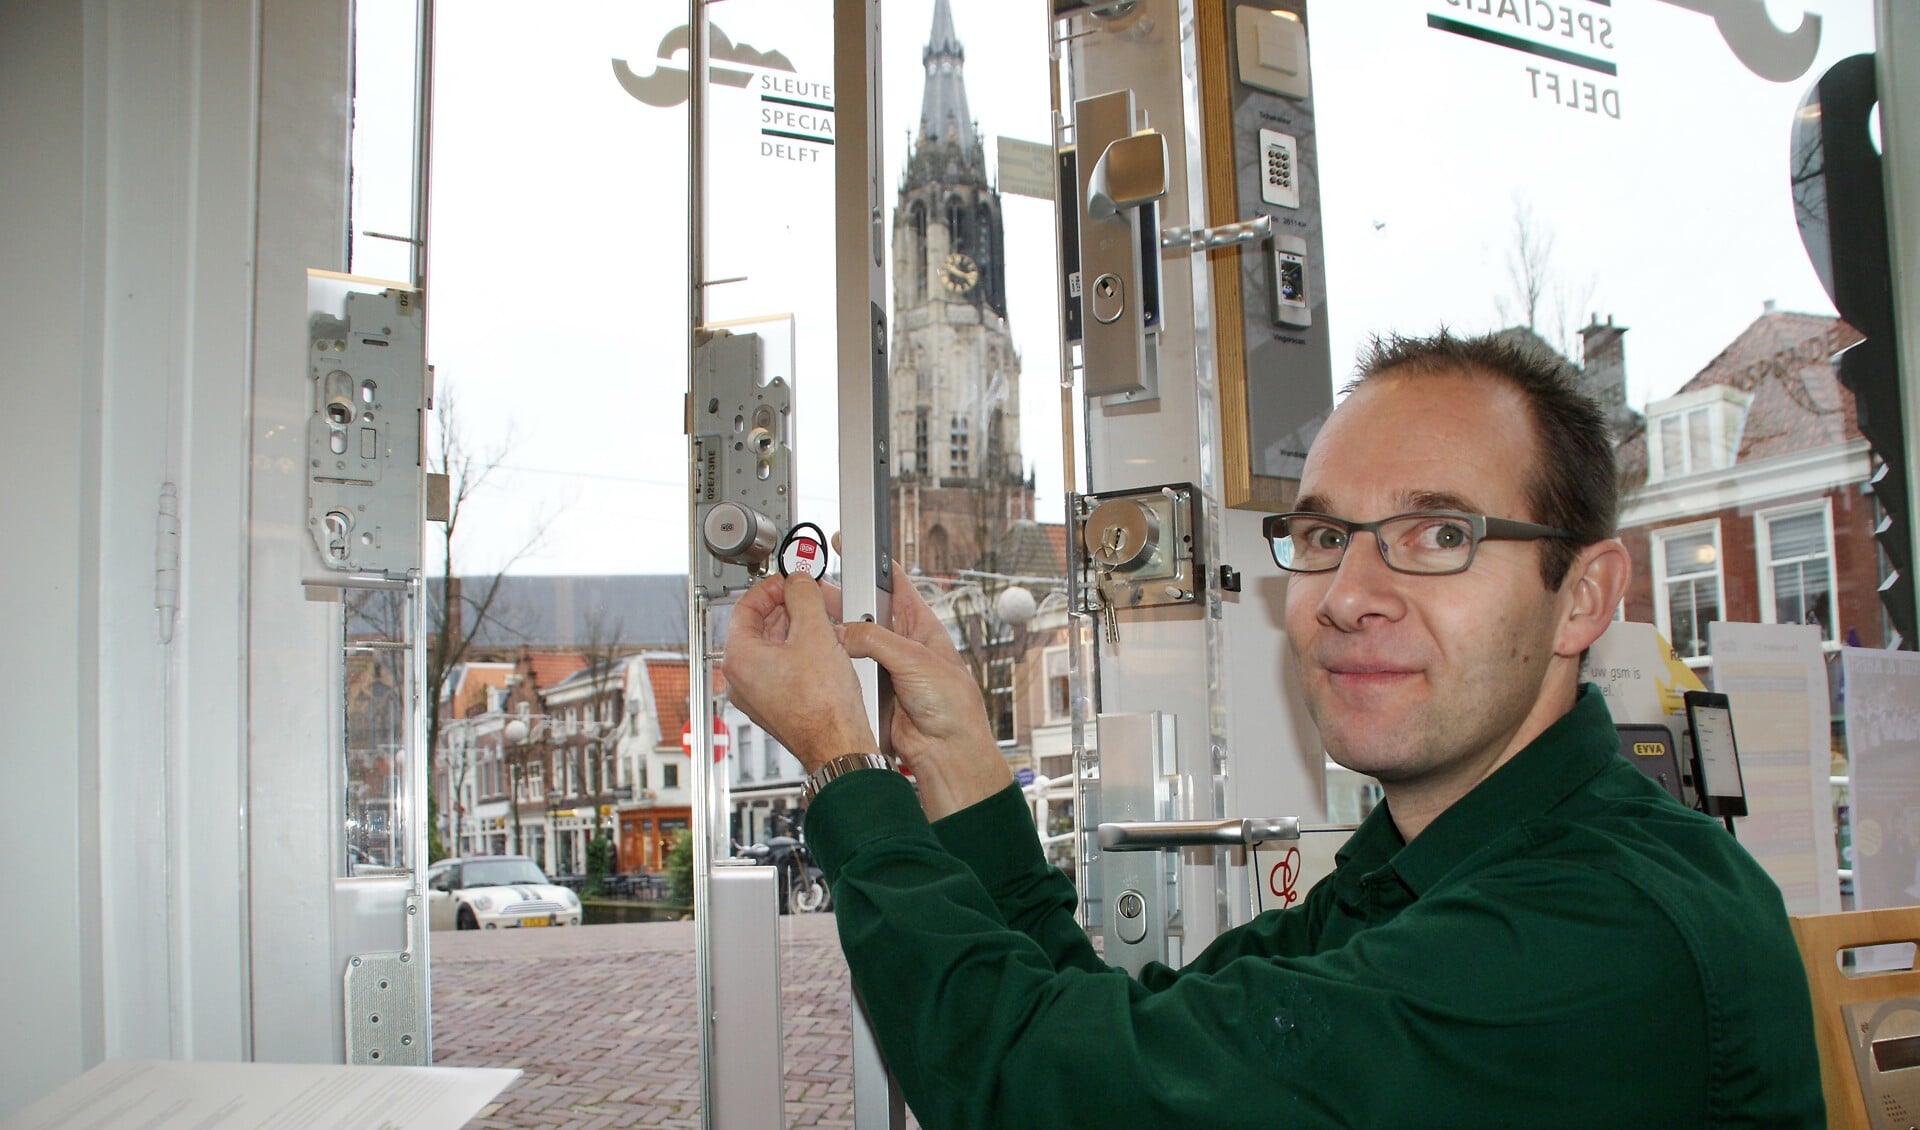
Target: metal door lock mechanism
x: 1139, y: 548
x: 743, y: 461
x: 364, y: 475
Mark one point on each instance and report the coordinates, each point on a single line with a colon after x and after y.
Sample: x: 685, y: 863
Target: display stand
x: 1882, y: 1006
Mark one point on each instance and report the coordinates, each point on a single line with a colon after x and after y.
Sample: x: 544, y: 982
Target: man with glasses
x: 1526, y: 932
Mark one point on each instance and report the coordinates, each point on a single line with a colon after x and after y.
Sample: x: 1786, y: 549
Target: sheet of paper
x: 1882, y: 694
x: 1281, y: 872
x: 1775, y: 678
x: 1636, y: 670
x: 121, y: 1094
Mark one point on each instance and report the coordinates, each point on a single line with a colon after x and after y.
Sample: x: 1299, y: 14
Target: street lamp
x: 515, y: 733
x: 1015, y: 606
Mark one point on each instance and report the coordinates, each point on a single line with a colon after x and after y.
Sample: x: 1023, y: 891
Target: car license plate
x: 537, y: 920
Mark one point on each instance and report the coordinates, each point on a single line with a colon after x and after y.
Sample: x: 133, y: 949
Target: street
x: 601, y: 1021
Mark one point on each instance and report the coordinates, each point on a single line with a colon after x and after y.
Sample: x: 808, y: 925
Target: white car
x: 494, y: 892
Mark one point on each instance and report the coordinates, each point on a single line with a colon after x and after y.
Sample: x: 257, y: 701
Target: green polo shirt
x: 1565, y: 946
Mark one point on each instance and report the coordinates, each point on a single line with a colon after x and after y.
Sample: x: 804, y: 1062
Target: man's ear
x: 1595, y: 584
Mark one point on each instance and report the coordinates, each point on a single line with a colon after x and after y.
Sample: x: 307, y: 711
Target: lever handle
x: 1160, y: 835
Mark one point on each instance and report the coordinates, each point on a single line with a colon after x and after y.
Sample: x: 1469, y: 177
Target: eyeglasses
x: 1425, y: 542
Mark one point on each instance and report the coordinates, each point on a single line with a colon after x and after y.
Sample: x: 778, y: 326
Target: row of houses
x: 1747, y: 496
x: 541, y: 752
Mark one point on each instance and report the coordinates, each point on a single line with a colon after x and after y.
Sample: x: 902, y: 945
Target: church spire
x: 943, y: 108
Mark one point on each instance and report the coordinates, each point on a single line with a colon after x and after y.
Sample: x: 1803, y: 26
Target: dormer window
x: 1695, y: 432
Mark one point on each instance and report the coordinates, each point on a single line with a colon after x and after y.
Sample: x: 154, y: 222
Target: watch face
x: 960, y: 273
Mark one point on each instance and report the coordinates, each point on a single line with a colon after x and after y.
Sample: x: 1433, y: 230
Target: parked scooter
x: 802, y: 886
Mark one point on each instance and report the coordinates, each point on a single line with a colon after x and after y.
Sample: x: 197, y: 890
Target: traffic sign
x: 721, y: 739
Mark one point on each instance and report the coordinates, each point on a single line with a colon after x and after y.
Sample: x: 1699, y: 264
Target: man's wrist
x: 834, y: 768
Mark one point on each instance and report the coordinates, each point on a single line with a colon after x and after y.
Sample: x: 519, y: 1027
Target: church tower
x: 958, y: 476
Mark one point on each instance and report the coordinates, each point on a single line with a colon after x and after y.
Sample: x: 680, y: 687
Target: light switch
x: 1272, y: 50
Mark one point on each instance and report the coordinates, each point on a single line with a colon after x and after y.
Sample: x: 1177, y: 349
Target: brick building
x: 1746, y: 495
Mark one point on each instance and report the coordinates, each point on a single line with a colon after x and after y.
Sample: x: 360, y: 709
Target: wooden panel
x: 1216, y: 139
x: 1821, y: 938
x: 1242, y: 486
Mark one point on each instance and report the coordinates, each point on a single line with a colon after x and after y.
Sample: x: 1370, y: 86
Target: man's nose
x: 1362, y: 586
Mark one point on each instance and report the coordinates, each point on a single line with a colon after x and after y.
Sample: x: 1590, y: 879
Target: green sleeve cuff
x: 858, y: 809
x: 995, y: 839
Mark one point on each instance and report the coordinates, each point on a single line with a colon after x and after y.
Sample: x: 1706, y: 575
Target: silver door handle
x: 1158, y: 835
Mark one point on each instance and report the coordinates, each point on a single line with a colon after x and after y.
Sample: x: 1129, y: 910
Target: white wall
x: 128, y: 212
x: 51, y: 1026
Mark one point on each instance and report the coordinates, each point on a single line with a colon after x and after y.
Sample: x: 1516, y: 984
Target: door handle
x: 1162, y: 835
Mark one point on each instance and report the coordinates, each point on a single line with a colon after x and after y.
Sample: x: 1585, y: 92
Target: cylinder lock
x: 1121, y: 534
x: 739, y: 535
x: 1130, y: 916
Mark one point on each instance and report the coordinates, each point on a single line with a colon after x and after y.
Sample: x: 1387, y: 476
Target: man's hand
x: 786, y: 668
x: 939, y: 727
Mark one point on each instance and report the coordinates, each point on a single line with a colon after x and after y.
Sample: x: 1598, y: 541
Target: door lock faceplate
x: 1139, y: 548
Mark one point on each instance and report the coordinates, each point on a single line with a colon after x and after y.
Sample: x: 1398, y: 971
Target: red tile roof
x: 1057, y: 538
x: 668, y: 678
x: 476, y: 680
x: 549, y: 667
x: 1786, y: 361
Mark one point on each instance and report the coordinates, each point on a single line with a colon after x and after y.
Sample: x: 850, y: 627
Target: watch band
x: 839, y: 767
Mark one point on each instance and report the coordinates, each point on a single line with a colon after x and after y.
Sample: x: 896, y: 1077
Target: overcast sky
x: 559, y: 246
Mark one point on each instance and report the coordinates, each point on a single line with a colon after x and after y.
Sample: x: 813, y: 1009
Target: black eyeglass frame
x: 1480, y: 527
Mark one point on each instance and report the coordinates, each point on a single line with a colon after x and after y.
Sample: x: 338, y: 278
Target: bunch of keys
x: 1103, y: 582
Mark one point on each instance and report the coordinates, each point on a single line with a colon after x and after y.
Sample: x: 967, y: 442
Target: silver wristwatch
x: 839, y: 767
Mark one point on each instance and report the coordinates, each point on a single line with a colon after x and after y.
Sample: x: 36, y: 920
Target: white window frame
x: 1764, y: 563
x: 1662, y: 610
x: 1047, y: 656
x: 1001, y: 676
x: 1725, y: 412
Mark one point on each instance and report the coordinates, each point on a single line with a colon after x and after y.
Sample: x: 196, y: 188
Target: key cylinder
x: 1122, y: 534
x: 739, y: 534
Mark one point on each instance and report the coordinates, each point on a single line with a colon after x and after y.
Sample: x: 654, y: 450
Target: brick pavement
x: 600, y: 1020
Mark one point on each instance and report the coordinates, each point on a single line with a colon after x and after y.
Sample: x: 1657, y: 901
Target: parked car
x: 494, y: 892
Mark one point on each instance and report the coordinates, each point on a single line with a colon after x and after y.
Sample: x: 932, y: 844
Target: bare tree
x: 1542, y: 298
x: 1529, y: 265
x: 458, y: 617
x: 988, y: 645
x: 603, y: 652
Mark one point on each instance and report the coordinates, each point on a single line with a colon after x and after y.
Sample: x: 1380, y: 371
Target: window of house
x: 770, y: 754
x: 958, y: 459
x: 1059, y: 688
x: 920, y: 442
x: 743, y: 749
x: 1000, y: 698
x: 1695, y: 432
x: 669, y: 776
x: 1795, y: 552
x: 1686, y: 564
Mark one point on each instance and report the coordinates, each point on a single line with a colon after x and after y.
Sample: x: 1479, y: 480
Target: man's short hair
x: 1574, y: 483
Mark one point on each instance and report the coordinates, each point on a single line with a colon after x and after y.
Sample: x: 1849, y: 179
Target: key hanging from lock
x: 1110, y: 544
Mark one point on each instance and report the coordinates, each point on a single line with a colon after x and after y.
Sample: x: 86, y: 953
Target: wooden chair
x: 1822, y: 938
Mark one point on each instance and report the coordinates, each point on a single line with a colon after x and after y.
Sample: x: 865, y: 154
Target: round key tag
x: 804, y: 550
